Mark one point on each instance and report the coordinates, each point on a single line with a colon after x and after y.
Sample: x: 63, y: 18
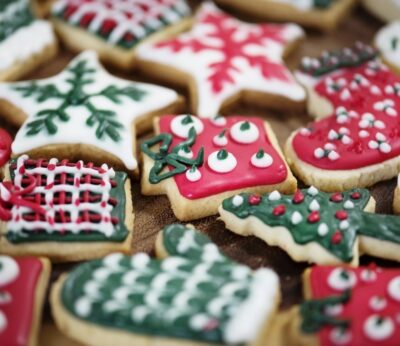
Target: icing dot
x: 368, y: 275
x: 261, y: 159
x: 312, y: 191
x: 254, y: 199
x: 193, y: 174
x: 342, y: 279
x: 83, y: 307
x: 9, y: 270
x: 140, y: 261
x: 218, y: 121
x: 337, y: 237
x: 334, y: 310
x: 220, y: 140
x: 323, y: 229
x: 344, y: 225
x: 394, y: 288
x: 181, y: 125
x: 244, y: 132
x: 298, y: 197
x: 222, y: 161
x: 341, y: 215
x: 112, y: 260
x: 314, y: 205
x: 340, y: 336
x: 237, y: 200
x: 377, y: 303
x: 336, y: 197
x: 279, y: 210
x: 313, y: 217
x: 348, y: 205
x: 199, y: 321
x: 296, y: 218
x: 274, y: 196
x: 378, y: 328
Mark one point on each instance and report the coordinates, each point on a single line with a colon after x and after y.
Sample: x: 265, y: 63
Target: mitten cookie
x: 83, y: 113
x: 387, y: 41
x: 63, y: 210
x: 116, y: 28
x: 386, y: 10
x: 315, y: 226
x: 199, y: 162
x: 23, y: 284
x: 323, y: 15
x: 348, y: 306
x: 224, y: 60
x: 358, y: 142
x: 193, y: 295
x: 25, y: 42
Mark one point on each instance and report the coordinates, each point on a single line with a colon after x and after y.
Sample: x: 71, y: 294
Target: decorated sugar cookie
x: 25, y: 42
x: 199, y: 162
x: 192, y: 294
x: 348, y: 306
x: 386, y: 10
x: 323, y: 15
x: 115, y: 28
x: 387, y: 41
x: 23, y: 284
x: 358, y: 142
x: 314, y: 226
x: 64, y: 210
x: 83, y: 113
x: 224, y: 60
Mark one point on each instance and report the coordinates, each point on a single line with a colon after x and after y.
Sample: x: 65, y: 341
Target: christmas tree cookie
x: 357, y: 143
x: 199, y: 162
x: 25, y: 42
x: 314, y: 226
x: 115, y: 29
x: 63, y: 210
x: 191, y: 295
x: 348, y: 306
x: 387, y: 40
x: 83, y: 113
x: 224, y: 60
x: 319, y: 14
x: 23, y: 284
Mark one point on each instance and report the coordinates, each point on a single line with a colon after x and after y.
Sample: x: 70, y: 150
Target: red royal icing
x: 19, y: 310
x: 5, y: 147
x: 243, y: 175
x: 370, y: 282
x: 366, y: 131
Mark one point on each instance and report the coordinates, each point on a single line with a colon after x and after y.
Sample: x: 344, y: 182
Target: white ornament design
x: 380, y: 143
x: 386, y: 106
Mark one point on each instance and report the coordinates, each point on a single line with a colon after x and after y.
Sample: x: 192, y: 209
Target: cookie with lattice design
x: 191, y: 295
x: 63, y: 210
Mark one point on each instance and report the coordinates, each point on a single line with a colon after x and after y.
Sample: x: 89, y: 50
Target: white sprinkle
x: 296, y: 218
x: 319, y: 153
x: 344, y: 225
x: 348, y: 205
x: 323, y: 229
x: 237, y: 200
x: 314, y: 205
x: 312, y: 191
x: 274, y: 196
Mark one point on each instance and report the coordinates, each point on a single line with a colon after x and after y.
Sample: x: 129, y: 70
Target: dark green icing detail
x: 306, y: 232
x: 323, y: 4
x: 219, y: 271
x: 222, y: 133
x: 222, y: 154
x: 187, y: 120
x: 245, y: 126
x: 332, y: 61
x: 22, y: 16
x: 166, y: 157
x: 81, y: 74
x: 260, y: 154
x: 395, y: 43
x: 118, y: 211
x: 314, y: 317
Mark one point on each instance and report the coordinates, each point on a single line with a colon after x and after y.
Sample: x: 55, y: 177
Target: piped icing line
x: 84, y: 104
x: 210, y: 51
x: 194, y: 271
x: 122, y: 23
x: 387, y: 40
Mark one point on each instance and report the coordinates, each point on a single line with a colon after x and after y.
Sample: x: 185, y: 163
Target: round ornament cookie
x: 386, y: 10
x: 387, y: 41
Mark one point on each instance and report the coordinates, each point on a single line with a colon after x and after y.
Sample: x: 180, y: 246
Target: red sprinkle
x: 314, y: 217
x: 103, y: 204
x: 355, y: 195
x: 298, y: 197
x: 279, y: 210
x: 341, y: 215
x: 51, y: 167
x: 22, y: 170
x: 337, y: 237
x: 77, y: 202
x: 254, y: 199
x: 337, y: 197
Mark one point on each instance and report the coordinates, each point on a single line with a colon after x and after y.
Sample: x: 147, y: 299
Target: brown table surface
x: 152, y: 213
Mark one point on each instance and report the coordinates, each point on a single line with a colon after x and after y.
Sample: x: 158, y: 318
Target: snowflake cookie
x: 226, y: 60
x: 387, y: 40
x: 25, y: 42
x: 23, y: 284
x: 83, y: 113
x: 322, y: 15
x: 358, y: 142
x: 116, y: 28
x: 199, y: 162
x: 192, y: 292
x: 314, y: 226
x: 347, y: 306
x: 63, y: 210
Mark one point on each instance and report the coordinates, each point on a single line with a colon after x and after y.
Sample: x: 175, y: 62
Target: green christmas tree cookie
x: 194, y: 293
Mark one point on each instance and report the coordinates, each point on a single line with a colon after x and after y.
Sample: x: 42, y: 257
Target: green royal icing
x: 323, y: 4
x: 19, y: 14
x: 119, y: 211
x: 166, y: 157
x: 339, y: 235
x: 104, y: 120
x: 164, y: 298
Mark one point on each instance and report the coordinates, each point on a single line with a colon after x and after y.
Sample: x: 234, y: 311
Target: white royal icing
x: 262, y: 162
x: 378, y: 331
x: 274, y: 196
x: 75, y: 130
x: 245, y: 136
x: 387, y: 41
x: 182, y: 130
x: 237, y: 200
x: 9, y: 270
x: 193, y: 174
x: 339, y: 336
x: 222, y: 166
x: 220, y: 140
x: 341, y: 282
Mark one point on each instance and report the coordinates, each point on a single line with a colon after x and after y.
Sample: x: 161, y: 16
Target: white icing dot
x: 363, y: 134
x: 368, y: 275
x: 237, y: 200
x: 319, y: 153
x: 334, y: 310
x: 186, y: 154
x: 199, y: 321
x: 9, y: 270
x: 220, y: 141
x: 394, y: 288
x: 341, y: 279
x: 219, y: 121
x: 244, y: 132
x: 83, y: 307
x: 140, y: 261
x: 262, y: 162
x: 312, y: 191
x: 3, y: 321
x: 333, y: 155
x: 296, y: 218
x: 340, y: 336
x: 182, y: 129
x: 101, y: 274
x: 377, y: 303
x: 139, y: 313
x: 344, y: 225
x: 385, y: 148
x: 223, y: 165
x: 314, y: 205
x: 378, y: 328
x: 240, y: 273
x: 274, y: 196
x: 112, y: 260
x: 348, y: 205
x: 91, y: 288
x: 193, y: 174
x: 323, y: 229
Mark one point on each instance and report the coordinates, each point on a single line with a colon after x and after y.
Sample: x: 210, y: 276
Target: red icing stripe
x: 244, y: 175
x: 373, y: 97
